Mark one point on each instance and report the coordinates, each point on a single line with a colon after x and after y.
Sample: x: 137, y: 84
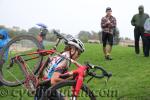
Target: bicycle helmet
x: 43, y: 29
x: 77, y: 43
x: 41, y: 25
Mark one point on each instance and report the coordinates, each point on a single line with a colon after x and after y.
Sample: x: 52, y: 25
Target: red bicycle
x: 26, y: 63
x: 74, y: 89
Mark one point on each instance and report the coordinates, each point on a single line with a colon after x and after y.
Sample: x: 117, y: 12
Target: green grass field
x: 130, y: 80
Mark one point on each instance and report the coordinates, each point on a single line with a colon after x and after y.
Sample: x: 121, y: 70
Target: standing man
x: 138, y: 21
x: 108, y: 23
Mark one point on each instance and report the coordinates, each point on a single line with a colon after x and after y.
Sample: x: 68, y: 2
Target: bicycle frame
x: 22, y: 62
x: 79, y: 72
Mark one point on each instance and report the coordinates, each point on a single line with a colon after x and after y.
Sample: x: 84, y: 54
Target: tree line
x: 84, y: 36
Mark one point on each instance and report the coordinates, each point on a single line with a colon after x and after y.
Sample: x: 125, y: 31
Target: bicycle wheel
x: 63, y: 91
x: 20, y: 45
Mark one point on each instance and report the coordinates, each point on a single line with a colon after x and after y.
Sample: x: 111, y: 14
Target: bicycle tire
x: 3, y: 61
x: 52, y: 89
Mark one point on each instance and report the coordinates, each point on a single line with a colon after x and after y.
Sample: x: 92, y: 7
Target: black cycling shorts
x: 107, y: 37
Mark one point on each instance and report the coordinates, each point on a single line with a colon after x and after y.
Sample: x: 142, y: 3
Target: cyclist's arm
x: 55, y: 77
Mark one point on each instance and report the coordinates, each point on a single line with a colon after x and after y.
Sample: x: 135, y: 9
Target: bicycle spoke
x: 23, y: 85
x: 21, y: 45
x: 14, y: 76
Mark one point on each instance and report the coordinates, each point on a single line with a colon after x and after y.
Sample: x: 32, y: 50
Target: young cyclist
x: 59, y: 65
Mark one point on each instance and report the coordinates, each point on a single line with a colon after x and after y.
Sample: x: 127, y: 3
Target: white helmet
x: 77, y: 43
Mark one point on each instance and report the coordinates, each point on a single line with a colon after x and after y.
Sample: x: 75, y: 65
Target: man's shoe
x: 108, y: 57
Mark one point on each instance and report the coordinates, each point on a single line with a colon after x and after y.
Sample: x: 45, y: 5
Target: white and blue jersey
x: 57, y: 62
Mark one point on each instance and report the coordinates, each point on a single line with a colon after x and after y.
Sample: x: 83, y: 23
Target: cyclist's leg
x: 57, y: 95
x: 41, y: 90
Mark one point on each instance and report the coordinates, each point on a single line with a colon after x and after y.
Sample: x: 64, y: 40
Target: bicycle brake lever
x: 90, y: 79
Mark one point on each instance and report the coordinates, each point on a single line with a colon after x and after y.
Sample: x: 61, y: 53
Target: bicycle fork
x: 79, y: 81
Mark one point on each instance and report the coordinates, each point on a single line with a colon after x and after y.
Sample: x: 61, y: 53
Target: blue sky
x: 70, y: 16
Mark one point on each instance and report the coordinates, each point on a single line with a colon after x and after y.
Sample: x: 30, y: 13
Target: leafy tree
x: 10, y: 30
x: 84, y: 36
x: 116, y: 36
x: 126, y: 38
x: 51, y: 37
x: 2, y: 27
x: 33, y: 31
x: 94, y: 35
x: 100, y: 36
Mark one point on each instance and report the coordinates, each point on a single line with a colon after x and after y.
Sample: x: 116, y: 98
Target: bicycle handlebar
x: 93, y: 74
x: 60, y: 36
x: 104, y: 72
